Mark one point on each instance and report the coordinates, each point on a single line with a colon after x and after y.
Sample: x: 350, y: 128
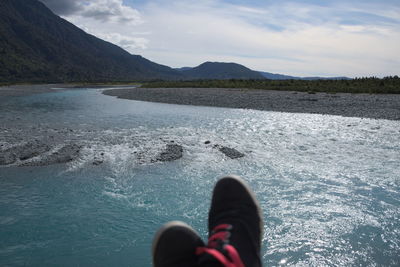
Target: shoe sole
x: 164, y: 228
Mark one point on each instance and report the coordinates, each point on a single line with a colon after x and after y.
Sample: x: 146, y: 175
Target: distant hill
x: 183, y: 68
x: 220, y: 71
x: 224, y: 71
x: 37, y: 45
x: 273, y: 76
x: 325, y: 78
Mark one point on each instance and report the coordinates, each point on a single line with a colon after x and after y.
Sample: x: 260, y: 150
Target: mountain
x: 274, y: 76
x: 183, y: 68
x: 37, y: 45
x: 220, y: 71
x: 325, y: 78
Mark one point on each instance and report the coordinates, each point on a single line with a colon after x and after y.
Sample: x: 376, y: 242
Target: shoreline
x: 31, y: 89
x: 374, y: 106
x: 28, y: 89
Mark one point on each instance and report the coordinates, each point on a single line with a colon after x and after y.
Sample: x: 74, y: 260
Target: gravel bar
x: 376, y: 106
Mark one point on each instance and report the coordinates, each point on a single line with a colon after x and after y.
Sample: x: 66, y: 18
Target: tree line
x: 371, y: 85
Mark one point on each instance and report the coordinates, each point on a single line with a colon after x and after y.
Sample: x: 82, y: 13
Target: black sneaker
x: 235, y: 226
x: 175, y: 245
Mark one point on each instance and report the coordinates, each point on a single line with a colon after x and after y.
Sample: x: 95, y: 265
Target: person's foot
x: 235, y: 226
x: 175, y: 245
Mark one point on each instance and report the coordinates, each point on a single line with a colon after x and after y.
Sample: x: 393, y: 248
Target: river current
x: 329, y: 186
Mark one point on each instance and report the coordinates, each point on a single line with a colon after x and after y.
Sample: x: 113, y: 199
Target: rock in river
x: 61, y: 154
x: 23, y: 152
x: 230, y: 152
x: 37, y: 153
x: 172, y: 152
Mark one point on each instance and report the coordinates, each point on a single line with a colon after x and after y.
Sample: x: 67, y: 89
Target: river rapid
x: 329, y: 186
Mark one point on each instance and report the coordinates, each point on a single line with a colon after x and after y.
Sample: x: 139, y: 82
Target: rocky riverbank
x: 376, y: 106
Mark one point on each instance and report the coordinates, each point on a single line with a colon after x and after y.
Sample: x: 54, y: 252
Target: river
x: 329, y: 186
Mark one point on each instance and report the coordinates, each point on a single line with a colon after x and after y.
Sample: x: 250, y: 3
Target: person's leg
x: 175, y: 245
x: 235, y: 226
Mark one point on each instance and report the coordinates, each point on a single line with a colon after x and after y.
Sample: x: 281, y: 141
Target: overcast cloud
x: 305, y: 37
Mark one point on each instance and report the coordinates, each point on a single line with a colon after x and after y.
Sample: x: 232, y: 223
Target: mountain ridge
x: 277, y: 76
x: 220, y: 71
x: 36, y: 45
x: 39, y: 45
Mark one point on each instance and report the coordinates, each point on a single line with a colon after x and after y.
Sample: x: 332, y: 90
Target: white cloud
x: 126, y: 42
x: 102, y: 10
x: 287, y: 38
x: 62, y: 7
x: 186, y: 35
x: 111, y: 20
x: 110, y: 10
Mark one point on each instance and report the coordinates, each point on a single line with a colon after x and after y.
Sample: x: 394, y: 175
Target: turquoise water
x: 329, y: 186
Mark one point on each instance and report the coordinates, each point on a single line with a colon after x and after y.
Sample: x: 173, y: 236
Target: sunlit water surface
x: 329, y: 186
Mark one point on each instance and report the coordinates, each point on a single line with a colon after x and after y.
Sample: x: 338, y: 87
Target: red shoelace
x: 218, y: 247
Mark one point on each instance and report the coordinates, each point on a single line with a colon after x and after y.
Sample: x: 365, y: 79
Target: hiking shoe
x: 235, y: 226
x: 175, y: 244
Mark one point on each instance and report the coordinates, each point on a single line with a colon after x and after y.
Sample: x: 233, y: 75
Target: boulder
x: 172, y: 152
x: 23, y: 152
x: 230, y: 152
x: 64, y: 154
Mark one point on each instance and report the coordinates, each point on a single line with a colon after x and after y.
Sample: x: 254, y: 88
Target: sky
x: 354, y: 38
